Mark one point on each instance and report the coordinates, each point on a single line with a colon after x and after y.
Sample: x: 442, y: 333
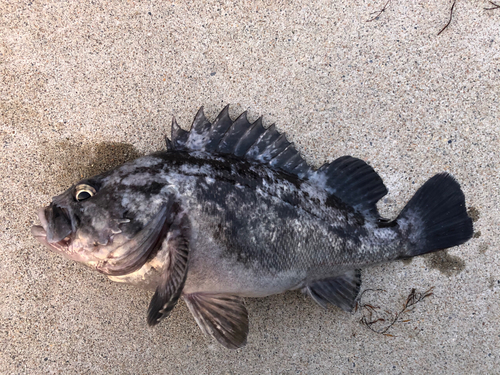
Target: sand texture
x: 86, y: 85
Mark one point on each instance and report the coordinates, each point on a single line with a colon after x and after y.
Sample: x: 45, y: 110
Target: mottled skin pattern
x: 255, y: 231
x: 231, y: 210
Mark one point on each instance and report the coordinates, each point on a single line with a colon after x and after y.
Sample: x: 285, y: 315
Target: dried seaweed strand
x: 369, y: 320
x: 451, y: 16
x: 378, y: 13
x: 495, y: 6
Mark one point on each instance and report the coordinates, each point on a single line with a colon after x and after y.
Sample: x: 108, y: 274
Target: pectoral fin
x: 222, y: 316
x: 174, y: 276
x: 340, y: 291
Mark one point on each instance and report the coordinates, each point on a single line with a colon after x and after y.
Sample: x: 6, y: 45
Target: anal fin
x: 222, y: 316
x: 340, y: 291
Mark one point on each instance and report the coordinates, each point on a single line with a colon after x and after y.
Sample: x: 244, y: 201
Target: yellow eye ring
x: 84, y: 191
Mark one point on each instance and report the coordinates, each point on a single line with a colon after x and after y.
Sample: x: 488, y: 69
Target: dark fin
x: 273, y: 149
x: 179, y: 136
x: 287, y: 159
x: 436, y: 217
x: 354, y: 182
x: 134, y: 253
x: 199, y: 133
x: 340, y: 291
x: 303, y: 170
x: 168, y: 143
x: 249, y: 138
x: 174, y: 276
x: 239, y: 138
x: 220, y: 126
x: 234, y: 134
x: 222, y: 316
x: 266, y: 139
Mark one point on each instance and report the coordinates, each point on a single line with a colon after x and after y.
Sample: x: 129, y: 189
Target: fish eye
x: 84, y: 191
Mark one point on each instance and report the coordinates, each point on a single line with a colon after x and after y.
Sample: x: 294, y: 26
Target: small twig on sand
x: 378, y: 13
x: 451, y: 16
x: 370, y: 317
x: 495, y: 6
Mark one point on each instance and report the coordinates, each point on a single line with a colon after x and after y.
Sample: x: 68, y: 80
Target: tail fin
x: 436, y: 217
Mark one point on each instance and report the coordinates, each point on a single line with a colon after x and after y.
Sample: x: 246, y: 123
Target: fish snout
x: 56, y: 222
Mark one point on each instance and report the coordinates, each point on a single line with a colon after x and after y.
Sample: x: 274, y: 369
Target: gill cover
x: 132, y: 255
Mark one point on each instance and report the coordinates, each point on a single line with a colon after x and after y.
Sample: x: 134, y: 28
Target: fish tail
x: 435, y: 218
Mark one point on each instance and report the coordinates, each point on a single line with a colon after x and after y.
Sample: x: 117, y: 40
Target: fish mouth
x: 64, y: 246
x: 40, y: 233
x: 126, y: 256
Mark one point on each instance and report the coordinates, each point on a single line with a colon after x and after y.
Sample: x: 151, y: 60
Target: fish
x: 230, y: 210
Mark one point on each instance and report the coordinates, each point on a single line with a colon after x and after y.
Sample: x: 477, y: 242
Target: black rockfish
x: 231, y: 210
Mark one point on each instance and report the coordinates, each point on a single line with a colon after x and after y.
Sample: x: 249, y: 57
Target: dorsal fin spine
x: 179, y: 136
x: 219, y: 127
x: 252, y: 135
x: 349, y: 179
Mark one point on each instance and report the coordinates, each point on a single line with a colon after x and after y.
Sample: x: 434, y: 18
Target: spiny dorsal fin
x: 348, y: 178
x: 220, y: 126
x: 179, y: 136
x: 233, y: 135
x: 199, y: 134
x: 248, y: 139
x: 241, y: 138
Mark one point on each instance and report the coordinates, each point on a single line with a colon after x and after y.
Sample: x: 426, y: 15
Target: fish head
x: 112, y: 222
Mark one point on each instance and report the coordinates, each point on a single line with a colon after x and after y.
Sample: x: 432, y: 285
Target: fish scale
x: 231, y: 210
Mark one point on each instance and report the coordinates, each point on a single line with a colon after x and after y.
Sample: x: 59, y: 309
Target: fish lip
x: 43, y: 220
x: 40, y: 233
x: 60, y: 247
